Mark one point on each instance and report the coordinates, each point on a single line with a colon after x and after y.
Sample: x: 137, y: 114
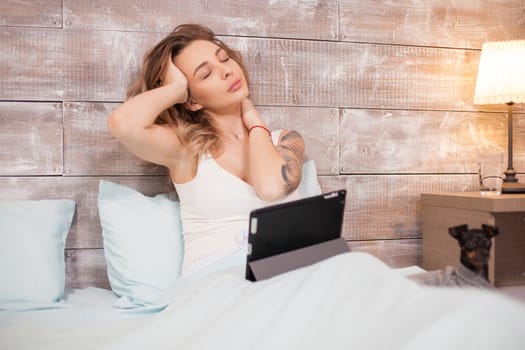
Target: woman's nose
x: 226, y: 71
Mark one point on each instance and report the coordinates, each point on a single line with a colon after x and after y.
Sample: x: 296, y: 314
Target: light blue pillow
x: 32, y: 241
x: 309, y: 185
x: 143, y: 243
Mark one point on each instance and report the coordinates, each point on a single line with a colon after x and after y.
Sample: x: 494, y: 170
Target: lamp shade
x: 501, y: 73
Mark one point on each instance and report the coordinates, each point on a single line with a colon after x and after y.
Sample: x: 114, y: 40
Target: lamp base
x: 512, y: 187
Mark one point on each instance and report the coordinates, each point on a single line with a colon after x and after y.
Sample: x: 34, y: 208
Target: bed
x: 351, y: 300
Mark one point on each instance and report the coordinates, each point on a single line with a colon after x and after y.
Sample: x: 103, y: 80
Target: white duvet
x: 351, y: 301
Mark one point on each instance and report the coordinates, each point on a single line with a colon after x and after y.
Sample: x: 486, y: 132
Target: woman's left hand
x: 250, y: 116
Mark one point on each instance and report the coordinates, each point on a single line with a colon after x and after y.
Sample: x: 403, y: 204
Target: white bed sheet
x: 71, y: 323
x: 346, y: 302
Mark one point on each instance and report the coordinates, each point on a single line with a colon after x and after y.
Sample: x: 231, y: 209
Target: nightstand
x: 507, y: 212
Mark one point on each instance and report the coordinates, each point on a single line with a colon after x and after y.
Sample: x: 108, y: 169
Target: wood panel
x: 30, y: 138
x: 82, y: 66
x: 377, y: 207
x: 389, y: 141
x: 395, y: 253
x: 31, y: 13
x: 98, y: 66
x: 338, y: 74
x: 392, y: 141
x: 389, y: 206
x: 24, y: 49
x: 91, y: 150
x: 86, y: 268
x: 319, y: 128
x: 518, y: 137
x: 310, y: 19
x: 86, y: 231
x: 446, y: 23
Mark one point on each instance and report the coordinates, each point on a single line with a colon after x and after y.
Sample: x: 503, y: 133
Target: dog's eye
x: 470, y: 245
x: 474, y: 243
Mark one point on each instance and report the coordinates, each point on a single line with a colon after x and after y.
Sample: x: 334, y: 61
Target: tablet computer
x: 309, y: 227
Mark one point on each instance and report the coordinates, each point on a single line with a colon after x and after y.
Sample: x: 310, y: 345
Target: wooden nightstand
x: 507, y: 212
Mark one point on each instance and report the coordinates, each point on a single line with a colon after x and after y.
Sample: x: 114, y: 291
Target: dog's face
x: 475, y: 243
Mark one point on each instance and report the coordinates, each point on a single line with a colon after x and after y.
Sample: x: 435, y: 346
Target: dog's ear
x: 489, y: 230
x: 457, y: 231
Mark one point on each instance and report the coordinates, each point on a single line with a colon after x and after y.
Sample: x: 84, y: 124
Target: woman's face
x: 216, y: 82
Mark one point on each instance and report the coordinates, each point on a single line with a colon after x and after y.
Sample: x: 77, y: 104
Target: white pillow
x: 33, y: 237
x: 309, y: 185
x: 142, y: 243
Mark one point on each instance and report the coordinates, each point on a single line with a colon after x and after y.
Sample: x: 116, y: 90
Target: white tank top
x: 215, y: 208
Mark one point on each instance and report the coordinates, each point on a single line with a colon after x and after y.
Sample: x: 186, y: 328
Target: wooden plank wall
x: 381, y: 90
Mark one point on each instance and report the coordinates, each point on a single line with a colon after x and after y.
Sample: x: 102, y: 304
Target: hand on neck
x: 231, y: 126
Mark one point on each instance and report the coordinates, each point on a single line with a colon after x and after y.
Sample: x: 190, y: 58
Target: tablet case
x: 281, y: 263
x: 286, y: 236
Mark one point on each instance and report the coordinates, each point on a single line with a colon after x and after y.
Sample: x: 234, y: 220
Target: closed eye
x: 222, y: 55
x: 206, y: 73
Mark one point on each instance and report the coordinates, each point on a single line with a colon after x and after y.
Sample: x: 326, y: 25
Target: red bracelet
x: 262, y: 127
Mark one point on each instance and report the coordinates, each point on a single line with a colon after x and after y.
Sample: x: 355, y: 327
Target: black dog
x: 475, y: 247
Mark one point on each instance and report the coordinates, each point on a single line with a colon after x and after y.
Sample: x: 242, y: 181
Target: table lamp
x: 501, y: 80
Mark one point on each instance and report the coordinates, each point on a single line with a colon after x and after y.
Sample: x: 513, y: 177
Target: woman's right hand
x: 133, y: 122
x: 250, y: 116
x: 174, y: 75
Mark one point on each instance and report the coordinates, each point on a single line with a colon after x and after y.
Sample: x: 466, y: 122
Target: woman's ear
x: 192, y: 105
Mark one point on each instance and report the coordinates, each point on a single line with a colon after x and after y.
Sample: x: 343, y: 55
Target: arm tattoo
x: 291, y: 148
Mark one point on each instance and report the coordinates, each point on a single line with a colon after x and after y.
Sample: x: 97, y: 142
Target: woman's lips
x: 235, y: 86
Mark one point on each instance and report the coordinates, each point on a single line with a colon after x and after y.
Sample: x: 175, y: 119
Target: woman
x: 190, y: 112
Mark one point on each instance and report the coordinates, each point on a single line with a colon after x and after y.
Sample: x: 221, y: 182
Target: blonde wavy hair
x: 194, y: 128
